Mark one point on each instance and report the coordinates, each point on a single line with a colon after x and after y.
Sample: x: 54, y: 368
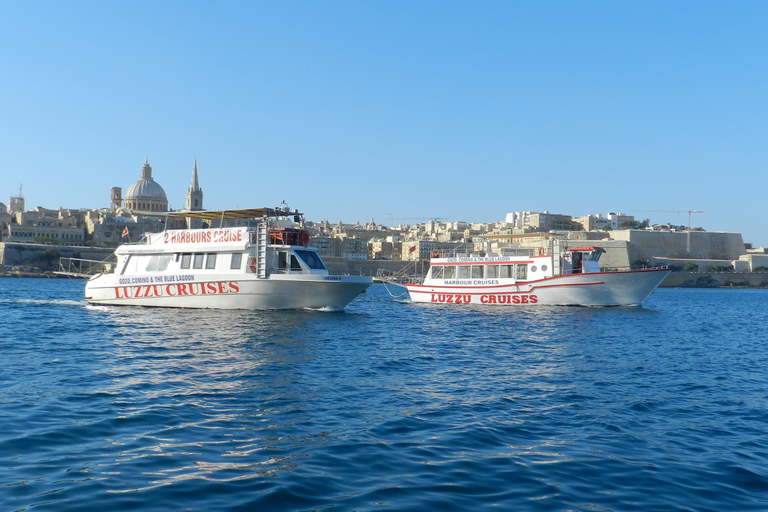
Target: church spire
x: 195, y: 185
x: 195, y: 193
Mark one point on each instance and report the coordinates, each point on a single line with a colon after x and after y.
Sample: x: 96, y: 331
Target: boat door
x: 288, y: 263
x: 576, y: 261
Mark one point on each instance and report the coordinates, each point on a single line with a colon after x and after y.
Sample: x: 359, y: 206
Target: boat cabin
x: 489, y: 270
x: 581, y: 260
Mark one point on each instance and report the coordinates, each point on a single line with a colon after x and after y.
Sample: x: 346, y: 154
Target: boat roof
x: 240, y: 213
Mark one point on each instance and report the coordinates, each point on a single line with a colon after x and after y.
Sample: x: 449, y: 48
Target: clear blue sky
x: 394, y: 109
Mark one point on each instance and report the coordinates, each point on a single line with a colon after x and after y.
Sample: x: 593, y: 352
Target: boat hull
x: 592, y: 289
x: 224, y: 292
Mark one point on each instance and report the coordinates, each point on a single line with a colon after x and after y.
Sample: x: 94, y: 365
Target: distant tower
x: 16, y: 204
x: 194, y: 199
x: 194, y: 193
x: 116, y: 198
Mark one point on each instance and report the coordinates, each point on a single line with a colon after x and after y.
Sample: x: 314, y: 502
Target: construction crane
x: 673, y: 211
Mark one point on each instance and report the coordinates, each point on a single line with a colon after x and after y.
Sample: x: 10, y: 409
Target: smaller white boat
x: 266, y: 263
x: 570, y: 277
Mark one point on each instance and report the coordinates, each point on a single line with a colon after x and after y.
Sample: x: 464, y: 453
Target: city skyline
x: 350, y: 111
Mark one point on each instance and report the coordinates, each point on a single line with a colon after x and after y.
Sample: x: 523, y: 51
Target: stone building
x: 16, y: 204
x: 44, y: 226
x: 539, y: 221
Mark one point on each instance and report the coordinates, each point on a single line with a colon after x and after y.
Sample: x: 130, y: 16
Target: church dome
x: 146, y: 187
x: 146, y: 196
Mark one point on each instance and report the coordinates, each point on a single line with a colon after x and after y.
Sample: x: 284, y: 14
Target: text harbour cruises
x: 265, y: 264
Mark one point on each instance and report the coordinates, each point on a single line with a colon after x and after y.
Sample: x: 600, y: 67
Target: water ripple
x: 386, y: 406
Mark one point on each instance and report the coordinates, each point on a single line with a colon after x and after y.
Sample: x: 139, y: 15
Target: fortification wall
x: 27, y: 254
x: 703, y: 245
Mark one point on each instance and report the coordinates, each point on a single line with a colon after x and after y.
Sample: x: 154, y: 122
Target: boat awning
x: 586, y: 249
x: 243, y: 213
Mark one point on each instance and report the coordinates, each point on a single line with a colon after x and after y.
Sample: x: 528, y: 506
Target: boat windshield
x: 312, y: 259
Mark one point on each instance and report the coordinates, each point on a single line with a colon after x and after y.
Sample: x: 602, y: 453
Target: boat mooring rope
x: 390, y: 293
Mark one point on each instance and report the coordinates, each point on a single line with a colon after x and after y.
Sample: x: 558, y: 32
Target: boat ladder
x: 261, y: 265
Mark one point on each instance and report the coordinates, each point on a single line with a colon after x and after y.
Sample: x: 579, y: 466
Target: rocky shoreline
x: 36, y: 274
x: 756, y: 280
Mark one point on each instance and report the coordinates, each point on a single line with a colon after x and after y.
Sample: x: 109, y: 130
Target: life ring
x: 252, y: 264
x: 304, y: 238
x: 276, y: 236
x: 435, y: 254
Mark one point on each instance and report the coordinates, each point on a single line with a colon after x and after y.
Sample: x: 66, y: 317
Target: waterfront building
x: 539, y: 221
x: 16, y: 204
x: 47, y: 235
x: 592, y: 222
x: 354, y: 248
x: 389, y: 248
x: 5, y: 217
x: 617, y: 219
x: 109, y: 228
x: 418, y: 249
x: 328, y: 246
x: 44, y: 226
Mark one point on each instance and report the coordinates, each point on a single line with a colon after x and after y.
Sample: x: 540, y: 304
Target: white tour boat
x: 266, y: 264
x: 569, y: 277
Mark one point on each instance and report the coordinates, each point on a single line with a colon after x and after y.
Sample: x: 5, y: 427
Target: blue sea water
x: 386, y: 406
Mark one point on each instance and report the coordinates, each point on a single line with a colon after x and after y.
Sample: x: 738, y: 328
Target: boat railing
x: 288, y: 236
x: 80, y: 267
x: 618, y: 269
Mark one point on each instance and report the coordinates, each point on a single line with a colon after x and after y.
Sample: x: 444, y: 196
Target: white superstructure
x: 264, y: 265
x: 569, y: 277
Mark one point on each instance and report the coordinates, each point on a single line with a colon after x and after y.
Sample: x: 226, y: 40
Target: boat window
x: 125, y: 265
x: 295, y: 265
x: 158, y: 263
x: 237, y: 259
x: 282, y: 261
x: 437, y: 272
x: 533, y: 268
x: 491, y: 271
x: 507, y: 271
x: 185, y: 260
x: 132, y: 266
x: 543, y: 268
x: 198, y: 261
x: 477, y: 271
x: 450, y: 272
x: 522, y: 272
x: 210, y: 260
x: 312, y: 259
x: 463, y: 272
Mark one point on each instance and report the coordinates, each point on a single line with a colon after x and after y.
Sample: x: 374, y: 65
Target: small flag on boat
x: 413, y: 248
x: 125, y: 231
